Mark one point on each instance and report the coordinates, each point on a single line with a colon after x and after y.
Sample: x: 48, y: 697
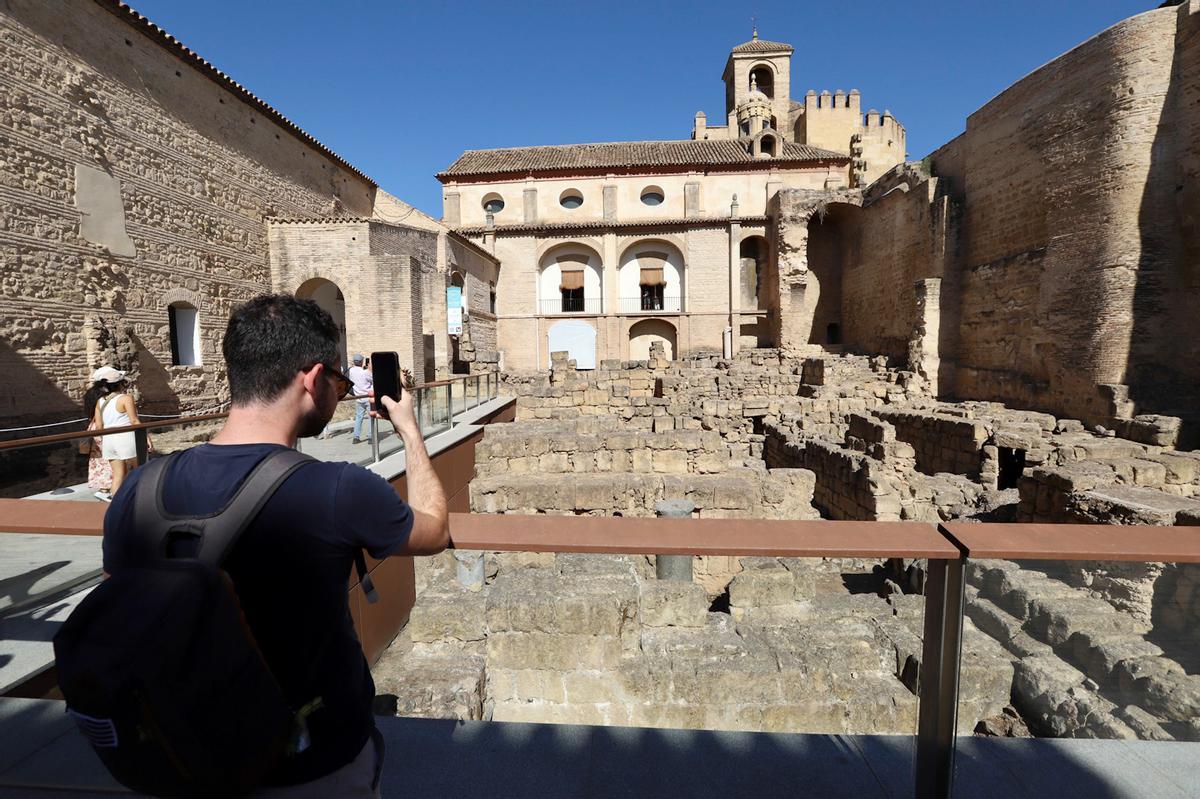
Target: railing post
x: 141, y: 441
x: 940, y: 656
x: 677, y: 568
x: 374, y: 439
x: 476, y: 405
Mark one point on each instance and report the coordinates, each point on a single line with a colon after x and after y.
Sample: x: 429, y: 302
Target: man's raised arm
x: 431, y: 520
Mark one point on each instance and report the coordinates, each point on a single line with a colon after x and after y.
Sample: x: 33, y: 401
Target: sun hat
x: 108, y: 375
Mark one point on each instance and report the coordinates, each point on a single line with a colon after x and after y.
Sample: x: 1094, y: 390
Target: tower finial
x: 754, y: 28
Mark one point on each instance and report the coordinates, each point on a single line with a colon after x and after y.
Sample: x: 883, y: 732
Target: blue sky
x: 400, y: 89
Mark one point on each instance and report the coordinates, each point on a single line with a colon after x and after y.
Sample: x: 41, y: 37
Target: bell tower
x: 760, y: 67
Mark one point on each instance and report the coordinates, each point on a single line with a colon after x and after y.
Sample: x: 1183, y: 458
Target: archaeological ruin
x: 782, y: 317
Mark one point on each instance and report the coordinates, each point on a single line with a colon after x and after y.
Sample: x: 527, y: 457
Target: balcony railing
x: 569, y: 305
x: 651, y: 304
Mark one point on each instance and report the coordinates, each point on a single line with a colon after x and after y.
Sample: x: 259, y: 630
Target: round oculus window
x: 652, y: 196
x: 570, y: 199
x: 493, y: 205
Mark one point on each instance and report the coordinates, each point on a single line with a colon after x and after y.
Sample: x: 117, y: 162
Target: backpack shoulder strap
x: 150, y: 523
x: 222, y: 530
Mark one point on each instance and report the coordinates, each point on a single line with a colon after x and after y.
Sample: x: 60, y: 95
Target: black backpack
x: 157, y: 664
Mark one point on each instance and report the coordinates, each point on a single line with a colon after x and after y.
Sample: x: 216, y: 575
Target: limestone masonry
x: 805, y: 645
x: 784, y: 316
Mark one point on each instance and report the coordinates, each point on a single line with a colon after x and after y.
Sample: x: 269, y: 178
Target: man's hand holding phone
x: 393, y: 393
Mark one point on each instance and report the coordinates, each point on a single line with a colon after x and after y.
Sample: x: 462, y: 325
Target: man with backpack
x: 291, y: 530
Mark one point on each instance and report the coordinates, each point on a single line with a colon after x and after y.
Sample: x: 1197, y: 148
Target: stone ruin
x: 806, y: 645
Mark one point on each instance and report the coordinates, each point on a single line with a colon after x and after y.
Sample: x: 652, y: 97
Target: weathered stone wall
x: 849, y: 485
x: 1067, y: 182
x: 378, y: 267
x: 132, y: 178
x: 597, y: 640
x: 1057, y: 227
x: 598, y: 444
x: 942, y: 443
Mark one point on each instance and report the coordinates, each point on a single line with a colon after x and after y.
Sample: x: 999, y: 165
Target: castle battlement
x: 830, y: 102
x: 876, y: 125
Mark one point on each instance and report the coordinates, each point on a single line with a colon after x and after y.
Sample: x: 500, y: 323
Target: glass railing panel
x: 758, y: 644
x: 1098, y: 649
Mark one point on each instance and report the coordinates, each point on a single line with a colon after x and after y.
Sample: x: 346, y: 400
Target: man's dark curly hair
x: 272, y: 337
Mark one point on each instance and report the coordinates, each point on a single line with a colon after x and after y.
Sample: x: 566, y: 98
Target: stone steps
x: 1086, y: 669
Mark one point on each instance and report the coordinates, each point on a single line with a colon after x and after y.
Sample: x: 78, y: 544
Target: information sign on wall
x: 454, y: 310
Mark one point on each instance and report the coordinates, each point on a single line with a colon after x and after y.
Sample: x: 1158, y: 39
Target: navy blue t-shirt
x: 291, y: 570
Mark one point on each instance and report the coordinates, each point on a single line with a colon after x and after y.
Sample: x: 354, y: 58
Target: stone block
x: 763, y: 581
x: 673, y: 604
x: 447, y: 615
x: 670, y: 462
x: 445, y: 686
x: 593, y: 493
x: 641, y: 460
x: 734, y: 494
x: 554, y: 651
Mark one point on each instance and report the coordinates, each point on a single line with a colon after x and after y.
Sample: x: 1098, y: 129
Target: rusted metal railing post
x: 674, y: 567
x: 940, y: 656
x: 141, y: 440
x: 374, y: 440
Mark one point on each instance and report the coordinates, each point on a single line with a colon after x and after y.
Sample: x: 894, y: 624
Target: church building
x: 607, y: 248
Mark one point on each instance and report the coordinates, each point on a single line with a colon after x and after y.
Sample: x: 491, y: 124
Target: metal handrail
x: 63, y: 438
x: 946, y: 548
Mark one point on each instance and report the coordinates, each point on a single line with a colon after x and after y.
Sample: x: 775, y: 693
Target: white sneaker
x: 103, y: 496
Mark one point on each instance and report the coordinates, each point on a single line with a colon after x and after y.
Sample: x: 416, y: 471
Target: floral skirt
x: 99, y: 469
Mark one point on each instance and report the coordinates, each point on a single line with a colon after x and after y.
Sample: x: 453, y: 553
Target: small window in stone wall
x: 652, y: 195
x: 184, y: 321
x: 493, y: 203
x: 491, y: 297
x: 570, y: 199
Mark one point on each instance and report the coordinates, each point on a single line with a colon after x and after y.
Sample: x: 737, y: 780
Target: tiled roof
x: 762, y: 46
x: 686, y: 152
x: 602, y: 224
x: 183, y: 52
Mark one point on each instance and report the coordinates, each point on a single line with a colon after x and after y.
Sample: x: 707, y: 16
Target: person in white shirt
x: 114, y: 409
x: 363, y: 383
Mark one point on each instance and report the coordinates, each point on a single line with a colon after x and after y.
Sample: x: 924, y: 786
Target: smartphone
x: 385, y: 372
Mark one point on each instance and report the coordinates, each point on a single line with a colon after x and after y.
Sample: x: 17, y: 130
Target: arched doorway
x: 458, y: 321
x: 644, y: 333
x: 327, y: 294
x: 754, y: 252
x: 831, y: 241
x: 577, y: 339
x: 763, y: 79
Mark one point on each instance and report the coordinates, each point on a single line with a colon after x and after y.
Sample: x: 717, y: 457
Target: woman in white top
x: 115, y: 409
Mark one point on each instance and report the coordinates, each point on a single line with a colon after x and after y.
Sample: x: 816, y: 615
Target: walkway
x: 41, y: 756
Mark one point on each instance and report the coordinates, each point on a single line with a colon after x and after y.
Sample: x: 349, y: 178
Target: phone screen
x: 385, y: 371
